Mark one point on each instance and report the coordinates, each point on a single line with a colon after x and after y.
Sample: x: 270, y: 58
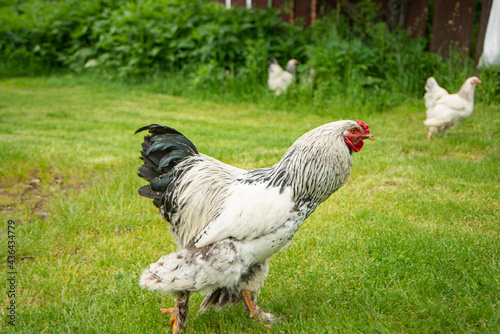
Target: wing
x: 454, y: 102
x: 446, y: 107
x: 249, y: 212
x: 285, y: 80
x: 204, y: 199
x: 449, y: 111
x: 275, y: 72
x: 196, y: 195
x: 280, y: 83
x: 211, y: 201
x: 433, y: 92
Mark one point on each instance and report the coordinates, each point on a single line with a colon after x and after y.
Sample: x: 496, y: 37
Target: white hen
x: 445, y: 110
x: 279, y: 79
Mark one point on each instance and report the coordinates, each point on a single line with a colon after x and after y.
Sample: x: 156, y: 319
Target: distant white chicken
x: 279, y: 79
x: 445, y: 110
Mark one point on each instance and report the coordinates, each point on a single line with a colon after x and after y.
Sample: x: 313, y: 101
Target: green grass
x: 409, y: 245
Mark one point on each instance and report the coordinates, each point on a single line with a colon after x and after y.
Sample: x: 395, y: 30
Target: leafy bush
x: 368, y: 63
x: 142, y: 36
x: 223, y: 52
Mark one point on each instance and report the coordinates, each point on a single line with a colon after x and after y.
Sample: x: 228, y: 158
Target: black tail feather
x: 146, y: 191
x: 161, y: 151
x: 273, y: 61
x: 159, y: 133
x: 156, y: 129
x: 219, y: 298
x: 147, y: 173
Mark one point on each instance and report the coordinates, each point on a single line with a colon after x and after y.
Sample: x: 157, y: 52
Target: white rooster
x: 278, y: 79
x: 445, y: 110
x: 228, y: 221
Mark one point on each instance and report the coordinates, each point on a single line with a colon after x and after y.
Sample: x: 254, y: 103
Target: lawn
x: 409, y: 245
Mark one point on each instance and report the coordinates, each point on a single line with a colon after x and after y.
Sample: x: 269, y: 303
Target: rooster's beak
x: 369, y: 136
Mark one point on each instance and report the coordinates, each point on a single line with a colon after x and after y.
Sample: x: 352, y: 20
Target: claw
x: 254, y: 310
x: 173, y: 318
x: 167, y: 310
x: 178, y: 314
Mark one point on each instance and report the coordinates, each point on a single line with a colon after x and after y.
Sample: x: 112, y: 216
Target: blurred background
x: 374, y: 54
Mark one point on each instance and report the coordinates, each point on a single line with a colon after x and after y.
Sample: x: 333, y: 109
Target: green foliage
x: 490, y: 90
x: 143, y: 36
x: 224, y: 53
x: 370, y: 64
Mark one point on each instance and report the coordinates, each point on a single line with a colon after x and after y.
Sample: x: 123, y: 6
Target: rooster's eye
x: 354, y: 130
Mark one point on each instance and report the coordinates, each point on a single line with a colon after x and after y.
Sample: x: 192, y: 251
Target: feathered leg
x: 255, y: 312
x: 179, y: 313
x: 246, y: 292
x: 252, y: 281
x: 431, y: 131
x: 249, y: 302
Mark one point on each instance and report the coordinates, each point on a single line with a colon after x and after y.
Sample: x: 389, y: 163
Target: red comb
x: 364, y: 126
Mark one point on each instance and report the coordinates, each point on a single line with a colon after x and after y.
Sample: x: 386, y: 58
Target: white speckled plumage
x: 228, y: 221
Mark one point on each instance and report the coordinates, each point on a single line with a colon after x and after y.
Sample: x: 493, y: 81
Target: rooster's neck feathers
x: 316, y: 165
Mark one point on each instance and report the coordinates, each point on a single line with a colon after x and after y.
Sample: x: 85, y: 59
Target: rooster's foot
x: 174, y: 318
x: 255, y: 311
x: 178, y: 314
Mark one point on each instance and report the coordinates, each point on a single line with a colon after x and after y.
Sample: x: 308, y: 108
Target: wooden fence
x: 452, y: 22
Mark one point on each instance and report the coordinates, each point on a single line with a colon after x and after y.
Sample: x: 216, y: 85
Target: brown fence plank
x: 452, y: 26
x: 259, y: 3
x: 452, y: 21
x: 239, y: 3
x: 416, y: 19
x: 302, y: 11
x: 282, y: 6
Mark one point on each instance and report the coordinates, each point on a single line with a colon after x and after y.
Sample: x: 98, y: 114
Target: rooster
x: 228, y: 221
x: 279, y: 79
x: 445, y: 110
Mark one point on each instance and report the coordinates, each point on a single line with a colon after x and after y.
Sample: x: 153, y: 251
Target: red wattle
x: 355, y: 148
